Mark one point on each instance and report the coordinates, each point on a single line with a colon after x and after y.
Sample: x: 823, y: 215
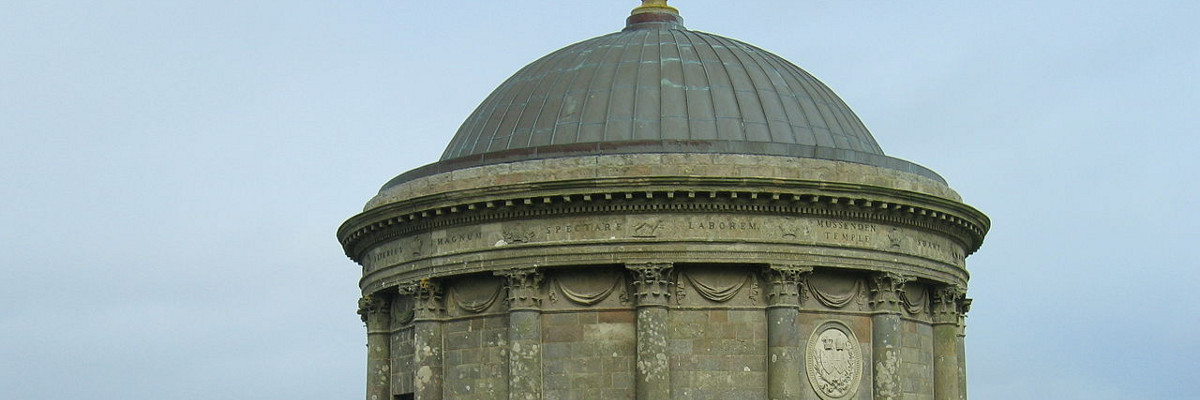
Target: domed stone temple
x: 661, y: 213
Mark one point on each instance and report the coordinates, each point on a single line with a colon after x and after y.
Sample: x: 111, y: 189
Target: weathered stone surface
x: 665, y: 275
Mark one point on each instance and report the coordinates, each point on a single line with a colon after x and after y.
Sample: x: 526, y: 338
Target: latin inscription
x: 847, y: 232
x: 925, y: 244
x: 827, y: 231
x: 938, y: 250
x: 723, y: 225
x: 584, y: 227
x: 458, y: 238
x: 385, y: 254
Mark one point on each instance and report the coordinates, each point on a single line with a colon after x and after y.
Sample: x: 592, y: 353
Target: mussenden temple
x: 661, y: 213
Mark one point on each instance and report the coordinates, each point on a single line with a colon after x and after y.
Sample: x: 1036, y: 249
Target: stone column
x: 524, y: 333
x: 964, y: 306
x: 886, y: 334
x: 428, y: 308
x: 375, y: 312
x: 785, y: 357
x: 945, y: 343
x: 652, y: 285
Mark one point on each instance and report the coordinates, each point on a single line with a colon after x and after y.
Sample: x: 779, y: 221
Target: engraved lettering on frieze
x: 925, y: 244
x: 847, y: 232
x: 585, y: 227
x: 834, y: 361
x: 934, y: 249
x: 459, y: 238
x: 723, y: 225
x: 385, y: 256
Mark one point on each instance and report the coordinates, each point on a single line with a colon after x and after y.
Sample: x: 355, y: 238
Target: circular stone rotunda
x: 660, y: 213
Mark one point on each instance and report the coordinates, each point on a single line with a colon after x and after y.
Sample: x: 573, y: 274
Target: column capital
x: 947, y: 302
x: 427, y: 298
x: 784, y: 284
x: 652, y: 282
x: 885, y: 291
x: 373, y: 307
x: 524, y: 287
x: 964, y: 306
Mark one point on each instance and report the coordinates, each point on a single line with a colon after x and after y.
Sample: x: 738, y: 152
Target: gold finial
x: 654, y: 6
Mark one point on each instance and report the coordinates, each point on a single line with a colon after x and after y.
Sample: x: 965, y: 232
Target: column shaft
x: 653, y: 359
x: 964, y: 306
x: 785, y: 362
x: 427, y: 339
x: 375, y: 312
x: 785, y: 357
x: 428, y: 308
x: 885, y: 337
x: 886, y: 334
x: 525, y: 355
x: 652, y: 283
x: 524, y: 333
x: 946, y: 376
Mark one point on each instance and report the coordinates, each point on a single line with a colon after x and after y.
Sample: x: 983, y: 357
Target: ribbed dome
x: 657, y: 87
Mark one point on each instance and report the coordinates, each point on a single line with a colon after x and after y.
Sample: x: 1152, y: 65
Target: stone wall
x: 402, y: 360
x: 589, y: 355
x: 476, y: 364
x: 718, y: 354
x: 847, y: 336
x: 916, y: 361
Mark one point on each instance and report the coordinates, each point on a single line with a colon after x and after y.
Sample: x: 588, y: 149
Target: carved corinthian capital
x: 964, y: 306
x: 427, y: 298
x: 372, y: 307
x: 784, y: 284
x: 652, y: 282
x: 524, y: 287
x: 885, y: 291
x: 946, y: 304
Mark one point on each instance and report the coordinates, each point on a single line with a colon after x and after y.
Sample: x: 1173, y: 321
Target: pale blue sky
x: 174, y: 171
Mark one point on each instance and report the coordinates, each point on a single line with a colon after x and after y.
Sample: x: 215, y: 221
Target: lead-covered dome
x: 657, y: 87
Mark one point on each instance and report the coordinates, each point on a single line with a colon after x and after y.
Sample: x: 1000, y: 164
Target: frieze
x: 966, y: 227
x: 665, y: 228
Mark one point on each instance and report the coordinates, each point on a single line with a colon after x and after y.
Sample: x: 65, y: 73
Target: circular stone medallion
x: 834, y: 361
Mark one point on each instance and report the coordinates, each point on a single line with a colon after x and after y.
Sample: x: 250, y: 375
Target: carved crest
x: 834, y: 361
